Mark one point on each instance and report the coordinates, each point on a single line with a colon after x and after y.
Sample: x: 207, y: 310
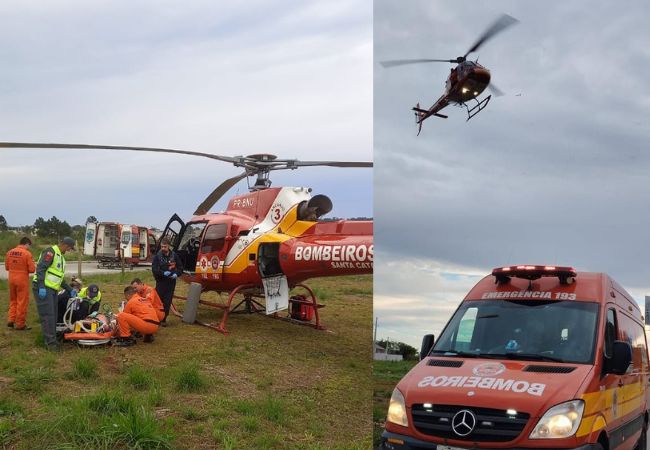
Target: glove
x: 174, y: 276
x: 42, y: 293
x: 73, y: 293
x: 167, y: 273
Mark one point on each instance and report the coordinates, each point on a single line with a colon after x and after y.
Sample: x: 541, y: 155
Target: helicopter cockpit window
x: 192, y: 236
x: 215, y: 237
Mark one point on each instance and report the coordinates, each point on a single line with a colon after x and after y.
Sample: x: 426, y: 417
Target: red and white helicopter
x: 465, y: 82
x: 265, y: 243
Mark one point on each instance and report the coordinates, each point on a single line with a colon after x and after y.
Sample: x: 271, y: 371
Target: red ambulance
x: 534, y: 357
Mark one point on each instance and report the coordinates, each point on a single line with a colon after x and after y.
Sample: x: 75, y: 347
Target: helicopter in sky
x: 265, y: 243
x: 465, y: 82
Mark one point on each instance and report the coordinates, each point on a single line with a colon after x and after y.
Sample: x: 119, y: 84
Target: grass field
x: 386, y: 375
x: 269, y: 385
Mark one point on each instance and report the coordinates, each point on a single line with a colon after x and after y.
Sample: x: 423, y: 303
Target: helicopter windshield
x: 191, y: 233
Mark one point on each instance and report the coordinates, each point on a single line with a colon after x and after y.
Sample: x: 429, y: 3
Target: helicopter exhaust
x: 318, y: 206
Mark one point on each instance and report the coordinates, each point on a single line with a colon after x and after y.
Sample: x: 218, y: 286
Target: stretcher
x: 96, y: 329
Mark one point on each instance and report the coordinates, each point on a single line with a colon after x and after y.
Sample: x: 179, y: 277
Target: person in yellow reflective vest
x: 91, y: 298
x: 46, y: 283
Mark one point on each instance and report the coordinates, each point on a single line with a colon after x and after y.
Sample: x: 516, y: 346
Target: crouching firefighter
x: 148, y: 292
x: 46, y: 283
x: 138, y: 314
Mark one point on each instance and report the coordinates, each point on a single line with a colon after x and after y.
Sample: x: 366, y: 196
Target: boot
x: 124, y: 341
x: 148, y: 338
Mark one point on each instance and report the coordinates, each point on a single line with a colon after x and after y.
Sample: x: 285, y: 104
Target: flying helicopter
x: 465, y: 82
x: 265, y: 243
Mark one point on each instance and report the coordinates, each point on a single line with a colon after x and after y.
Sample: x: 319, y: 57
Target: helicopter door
x: 268, y: 260
x: 214, y: 247
x: 276, y: 287
x: 91, y: 238
x: 172, y: 232
x: 125, y: 241
x: 188, y: 248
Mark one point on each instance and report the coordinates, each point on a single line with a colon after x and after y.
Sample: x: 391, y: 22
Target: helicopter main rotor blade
x: 403, y: 62
x: 296, y: 163
x: 499, y: 25
x: 219, y: 191
x: 495, y: 90
x: 114, y: 147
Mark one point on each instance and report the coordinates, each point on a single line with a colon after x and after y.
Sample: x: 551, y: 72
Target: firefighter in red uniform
x: 19, y: 263
x: 138, y: 314
x: 148, y: 292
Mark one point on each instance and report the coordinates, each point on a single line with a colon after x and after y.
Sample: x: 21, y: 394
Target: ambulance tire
x: 643, y: 440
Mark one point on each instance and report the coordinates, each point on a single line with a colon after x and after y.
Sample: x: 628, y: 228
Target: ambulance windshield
x: 527, y: 330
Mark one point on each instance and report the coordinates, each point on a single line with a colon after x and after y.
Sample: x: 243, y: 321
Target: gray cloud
x: 290, y: 78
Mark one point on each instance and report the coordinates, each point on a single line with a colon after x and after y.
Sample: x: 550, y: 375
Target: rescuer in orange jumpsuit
x: 148, y: 292
x: 19, y: 263
x: 138, y: 314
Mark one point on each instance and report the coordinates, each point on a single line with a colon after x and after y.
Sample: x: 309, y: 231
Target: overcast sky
x: 555, y: 172
x: 292, y: 78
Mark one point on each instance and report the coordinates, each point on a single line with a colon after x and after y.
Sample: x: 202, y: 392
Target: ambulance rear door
x: 125, y: 241
x: 91, y: 239
x: 144, y: 244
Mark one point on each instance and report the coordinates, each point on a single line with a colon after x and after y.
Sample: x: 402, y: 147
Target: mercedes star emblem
x: 463, y: 422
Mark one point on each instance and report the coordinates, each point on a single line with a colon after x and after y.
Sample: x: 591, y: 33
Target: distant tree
x: 399, y: 348
x: 42, y: 227
x: 3, y: 223
x: 92, y: 219
x: 27, y: 229
x: 52, y: 228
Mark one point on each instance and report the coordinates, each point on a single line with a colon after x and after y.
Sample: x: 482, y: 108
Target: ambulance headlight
x: 397, y: 409
x: 560, y: 421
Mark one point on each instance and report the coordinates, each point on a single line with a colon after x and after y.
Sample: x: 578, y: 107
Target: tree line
x: 50, y: 228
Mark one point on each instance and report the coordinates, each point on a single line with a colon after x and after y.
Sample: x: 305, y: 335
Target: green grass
x: 32, y: 380
x: 9, y: 407
x: 85, y: 368
x: 139, y: 377
x: 189, y: 379
x: 274, y: 410
x: 268, y: 385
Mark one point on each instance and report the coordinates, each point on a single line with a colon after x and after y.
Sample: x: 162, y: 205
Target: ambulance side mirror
x: 621, y: 359
x: 427, y: 345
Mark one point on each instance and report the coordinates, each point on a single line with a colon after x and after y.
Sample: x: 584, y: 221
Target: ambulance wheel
x: 643, y: 440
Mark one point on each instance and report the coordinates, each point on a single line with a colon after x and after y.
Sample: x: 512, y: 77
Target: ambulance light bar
x: 503, y: 274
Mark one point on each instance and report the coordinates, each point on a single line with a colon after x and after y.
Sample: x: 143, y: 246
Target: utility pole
x: 376, y: 325
x: 78, y: 259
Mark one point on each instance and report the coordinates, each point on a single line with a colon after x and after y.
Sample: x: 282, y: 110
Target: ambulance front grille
x: 492, y: 425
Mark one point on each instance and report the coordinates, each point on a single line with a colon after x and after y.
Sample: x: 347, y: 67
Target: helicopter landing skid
x: 471, y: 112
x: 249, y: 306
